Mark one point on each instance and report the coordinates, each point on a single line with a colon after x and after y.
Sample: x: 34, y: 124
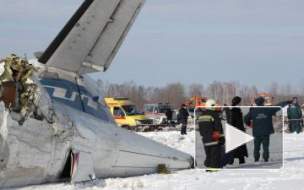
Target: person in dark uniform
x: 262, y: 126
x: 169, y: 115
x: 294, y: 114
x: 183, y: 112
x: 211, y: 131
x: 237, y: 122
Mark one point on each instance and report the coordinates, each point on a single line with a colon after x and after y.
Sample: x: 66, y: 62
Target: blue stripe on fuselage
x: 66, y: 92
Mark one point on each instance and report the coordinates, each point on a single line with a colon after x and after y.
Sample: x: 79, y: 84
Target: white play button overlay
x: 235, y: 138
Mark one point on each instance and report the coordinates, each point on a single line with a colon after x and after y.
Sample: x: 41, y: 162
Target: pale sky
x: 188, y: 41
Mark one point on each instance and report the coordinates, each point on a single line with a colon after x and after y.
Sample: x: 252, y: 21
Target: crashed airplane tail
x: 92, y: 37
x: 52, y: 128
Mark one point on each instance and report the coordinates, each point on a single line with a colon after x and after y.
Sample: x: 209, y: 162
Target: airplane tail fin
x: 91, y: 38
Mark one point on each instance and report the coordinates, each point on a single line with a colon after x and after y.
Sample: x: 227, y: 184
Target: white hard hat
x: 210, y: 104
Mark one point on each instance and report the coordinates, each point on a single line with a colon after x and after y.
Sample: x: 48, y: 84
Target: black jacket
x: 237, y: 122
x: 228, y: 114
x: 237, y: 119
x: 169, y: 114
x: 183, y: 115
x: 294, y: 111
x: 208, y: 122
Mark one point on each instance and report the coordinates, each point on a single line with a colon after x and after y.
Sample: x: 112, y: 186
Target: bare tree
x: 215, y: 91
x: 102, y: 87
x: 196, y: 90
x: 286, y: 90
x: 175, y: 94
x: 273, y: 90
x: 301, y: 86
x: 229, y: 91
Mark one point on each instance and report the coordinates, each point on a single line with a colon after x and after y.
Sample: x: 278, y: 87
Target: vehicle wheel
x: 126, y: 127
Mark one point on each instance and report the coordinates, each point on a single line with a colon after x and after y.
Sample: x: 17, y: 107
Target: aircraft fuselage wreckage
x: 51, y: 127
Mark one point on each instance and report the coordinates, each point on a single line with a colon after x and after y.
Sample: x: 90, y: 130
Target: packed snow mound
x: 290, y: 177
x: 174, y: 139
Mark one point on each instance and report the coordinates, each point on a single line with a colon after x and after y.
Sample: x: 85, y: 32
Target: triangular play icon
x: 235, y: 138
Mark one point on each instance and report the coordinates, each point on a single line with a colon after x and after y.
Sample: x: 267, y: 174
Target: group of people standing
x: 211, y: 130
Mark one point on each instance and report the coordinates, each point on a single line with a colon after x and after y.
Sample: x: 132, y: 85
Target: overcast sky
x: 188, y: 41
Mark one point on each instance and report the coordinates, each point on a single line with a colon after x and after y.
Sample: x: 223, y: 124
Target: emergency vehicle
x: 126, y: 113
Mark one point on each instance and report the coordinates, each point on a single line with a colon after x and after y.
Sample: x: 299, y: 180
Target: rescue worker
x: 237, y: 122
x: 294, y: 114
x: 183, y: 112
x: 211, y: 131
x: 262, y: 126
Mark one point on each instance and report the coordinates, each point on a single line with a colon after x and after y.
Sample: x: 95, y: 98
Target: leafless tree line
x: 177, y: 93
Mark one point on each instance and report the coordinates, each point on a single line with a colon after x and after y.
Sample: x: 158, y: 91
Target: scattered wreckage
x: 18, y: 91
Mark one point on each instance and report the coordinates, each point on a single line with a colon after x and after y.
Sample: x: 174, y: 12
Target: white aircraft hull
x: 75, y: 138
x: 76, y: 147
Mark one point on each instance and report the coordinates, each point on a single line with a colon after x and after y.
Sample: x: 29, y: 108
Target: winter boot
x: 256, y: 159
x: 266, y: 159
x: 231, y: 162
x: 242, y: 160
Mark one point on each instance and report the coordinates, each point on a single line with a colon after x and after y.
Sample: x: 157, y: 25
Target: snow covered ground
x: 290, y: 177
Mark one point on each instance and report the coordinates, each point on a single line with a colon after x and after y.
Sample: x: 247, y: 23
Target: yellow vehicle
x: 126, y: 113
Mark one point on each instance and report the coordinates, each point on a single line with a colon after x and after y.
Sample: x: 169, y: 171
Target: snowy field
x: 290, y: 177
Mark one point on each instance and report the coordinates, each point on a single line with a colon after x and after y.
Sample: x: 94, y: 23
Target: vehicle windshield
x: 131, y: 110
x: 163, y: 109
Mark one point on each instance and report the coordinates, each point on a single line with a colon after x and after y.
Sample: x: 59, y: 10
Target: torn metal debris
x: 18, y: 91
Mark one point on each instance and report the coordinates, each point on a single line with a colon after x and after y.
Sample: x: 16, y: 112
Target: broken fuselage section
x: 71, y: 136
x: 55, y: 130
